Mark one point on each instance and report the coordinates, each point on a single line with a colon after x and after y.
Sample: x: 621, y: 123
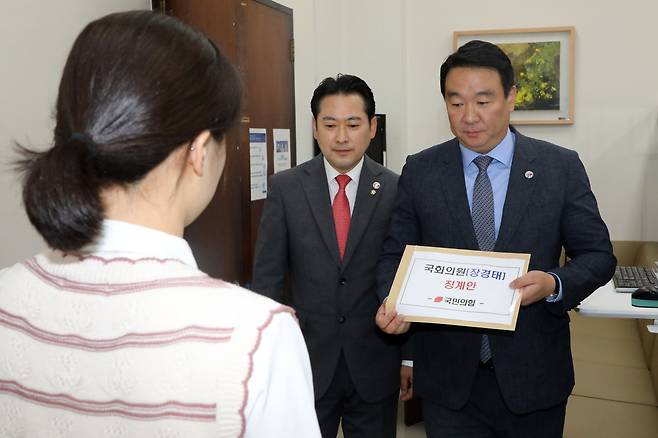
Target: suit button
x: 341, y: 319
x: 342, y: 282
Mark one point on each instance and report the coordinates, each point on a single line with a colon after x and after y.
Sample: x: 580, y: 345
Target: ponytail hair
x: 136, y: 85
x: 61, y: 193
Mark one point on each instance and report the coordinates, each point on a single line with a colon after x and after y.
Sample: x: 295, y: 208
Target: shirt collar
x: 134, y: 241
x: 332, y: 173
x: 503, y: 152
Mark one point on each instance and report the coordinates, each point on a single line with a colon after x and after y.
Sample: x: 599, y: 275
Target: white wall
x: 348, y: 36
x: 35, y: 37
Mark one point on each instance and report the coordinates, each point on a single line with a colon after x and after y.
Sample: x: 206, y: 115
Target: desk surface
x: 606, y: 302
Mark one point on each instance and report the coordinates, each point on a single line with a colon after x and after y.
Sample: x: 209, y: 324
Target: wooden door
x: 268, y: 61
x: 215, y: 235
x: 256, y: 35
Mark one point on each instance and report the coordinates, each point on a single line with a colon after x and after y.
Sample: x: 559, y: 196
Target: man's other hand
x: 534, y: 286
x: 391, y: 322
x: 406, y: 383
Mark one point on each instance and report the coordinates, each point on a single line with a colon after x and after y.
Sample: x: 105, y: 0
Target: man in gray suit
x: 494, y: 189
x: 322, y: 228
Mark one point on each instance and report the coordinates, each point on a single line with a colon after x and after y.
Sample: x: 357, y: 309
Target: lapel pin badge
x: 529, y: 174
x: 375, y: 186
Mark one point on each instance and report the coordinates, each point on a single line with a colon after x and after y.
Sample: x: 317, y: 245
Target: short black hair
x: 481, y: 54
x: 343, y: 84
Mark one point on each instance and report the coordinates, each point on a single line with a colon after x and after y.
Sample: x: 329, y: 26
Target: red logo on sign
x: 438, y: 299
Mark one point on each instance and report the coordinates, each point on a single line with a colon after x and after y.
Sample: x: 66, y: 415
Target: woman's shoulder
x: 243, y: 298
x: 245, y: 311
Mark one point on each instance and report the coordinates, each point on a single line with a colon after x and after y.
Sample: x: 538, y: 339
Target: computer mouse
x: 646, y: 296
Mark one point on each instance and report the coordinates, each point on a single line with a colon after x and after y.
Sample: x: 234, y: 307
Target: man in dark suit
x: 492, y: 188
x: 322, y: 227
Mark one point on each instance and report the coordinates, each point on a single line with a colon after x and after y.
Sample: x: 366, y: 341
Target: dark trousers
x: 360, y: 419
x: 486, y: 416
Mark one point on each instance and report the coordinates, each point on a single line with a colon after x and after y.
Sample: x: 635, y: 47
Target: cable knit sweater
x: 116, y: 342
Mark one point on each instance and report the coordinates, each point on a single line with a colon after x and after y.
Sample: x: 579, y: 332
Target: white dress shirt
x: 350, y: 188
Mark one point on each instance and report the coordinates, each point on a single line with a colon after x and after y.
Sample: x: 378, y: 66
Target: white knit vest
x: 93, y: 347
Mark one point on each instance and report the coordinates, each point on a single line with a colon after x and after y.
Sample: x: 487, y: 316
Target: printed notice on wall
x: 281, y: 140
x: 258, y: 163
x: 458, y: 287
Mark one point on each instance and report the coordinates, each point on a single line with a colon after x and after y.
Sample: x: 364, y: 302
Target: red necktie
x: 341, y: 207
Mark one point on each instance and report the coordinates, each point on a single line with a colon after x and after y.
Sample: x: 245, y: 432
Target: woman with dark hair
x: 114, y: 331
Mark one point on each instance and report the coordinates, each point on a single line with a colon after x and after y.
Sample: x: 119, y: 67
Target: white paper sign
x: 281, y: 140
x: 460, y: 287
x: 258, y: 163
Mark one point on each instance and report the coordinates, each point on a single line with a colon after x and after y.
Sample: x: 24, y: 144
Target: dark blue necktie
x: 483, y: 223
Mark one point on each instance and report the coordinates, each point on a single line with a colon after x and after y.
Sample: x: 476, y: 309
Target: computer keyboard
x: 629, y: 278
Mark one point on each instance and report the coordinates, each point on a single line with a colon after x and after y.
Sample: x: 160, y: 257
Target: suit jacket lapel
x: 450, y: 175
x: 314, y: 182
x: 519, y: 190
x: 364, y: 207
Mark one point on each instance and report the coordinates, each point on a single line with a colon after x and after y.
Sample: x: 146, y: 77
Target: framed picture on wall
x: 543, y: 61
